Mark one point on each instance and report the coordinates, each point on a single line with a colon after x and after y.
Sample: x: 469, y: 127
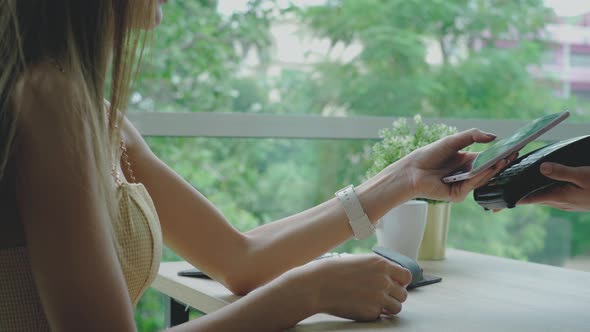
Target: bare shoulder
x: 42, y: 93
x: 49, y: 124
x: 134, y: 141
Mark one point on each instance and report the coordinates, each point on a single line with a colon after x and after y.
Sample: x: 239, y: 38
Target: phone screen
x: 506, y: 144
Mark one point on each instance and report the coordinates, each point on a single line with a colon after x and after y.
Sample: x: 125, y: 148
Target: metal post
x: 176, y: 312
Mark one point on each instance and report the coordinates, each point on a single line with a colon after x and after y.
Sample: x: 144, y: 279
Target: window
x: 550, y: 57
x: 344, y: 63
x: 583, y: 95
x: 580, y: 59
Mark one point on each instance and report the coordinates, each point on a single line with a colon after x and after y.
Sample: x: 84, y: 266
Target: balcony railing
x: 243, y: 125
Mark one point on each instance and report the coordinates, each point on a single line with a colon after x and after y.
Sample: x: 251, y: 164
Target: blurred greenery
x: 393, y: 73
x: 195, y: 64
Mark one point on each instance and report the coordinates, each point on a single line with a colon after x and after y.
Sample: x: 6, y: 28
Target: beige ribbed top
x: 140, y: 238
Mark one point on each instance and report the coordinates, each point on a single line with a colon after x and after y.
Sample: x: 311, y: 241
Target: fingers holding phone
x: 427, y: 165
x: 459, y: 190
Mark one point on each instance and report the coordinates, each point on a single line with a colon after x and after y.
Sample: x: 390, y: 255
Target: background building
x: 568, y: 59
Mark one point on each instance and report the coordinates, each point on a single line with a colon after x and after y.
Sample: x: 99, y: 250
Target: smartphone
x: 193, y: 272
x: 505, y: 147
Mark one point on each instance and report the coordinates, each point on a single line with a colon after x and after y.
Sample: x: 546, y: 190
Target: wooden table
x: 478, y: 293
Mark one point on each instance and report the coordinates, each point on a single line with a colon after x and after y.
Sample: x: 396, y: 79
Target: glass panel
x: 354, y: 57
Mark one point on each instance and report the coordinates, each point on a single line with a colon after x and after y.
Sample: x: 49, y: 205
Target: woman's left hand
x: 427, y: 165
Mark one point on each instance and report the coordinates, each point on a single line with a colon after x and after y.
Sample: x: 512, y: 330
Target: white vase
x: 401, y: 229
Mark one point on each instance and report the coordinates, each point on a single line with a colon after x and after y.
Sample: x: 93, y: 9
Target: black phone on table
x: 193, y: 272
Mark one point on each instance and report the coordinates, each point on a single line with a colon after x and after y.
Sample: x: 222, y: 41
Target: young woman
x: 85, y: 205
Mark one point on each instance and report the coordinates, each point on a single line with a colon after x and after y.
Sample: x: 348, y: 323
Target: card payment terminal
x: 523, y: 177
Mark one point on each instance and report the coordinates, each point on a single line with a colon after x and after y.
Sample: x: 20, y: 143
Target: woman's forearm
x: 275, y: 307
x: 292, y: 241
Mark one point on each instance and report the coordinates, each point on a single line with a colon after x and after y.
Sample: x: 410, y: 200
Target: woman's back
x: 136, y: 230
x: 139, y: 240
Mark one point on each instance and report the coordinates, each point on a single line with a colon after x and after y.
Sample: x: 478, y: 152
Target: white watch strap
x: 361, y: 226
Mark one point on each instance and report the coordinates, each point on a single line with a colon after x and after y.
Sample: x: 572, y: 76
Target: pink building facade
x: 568, y: 59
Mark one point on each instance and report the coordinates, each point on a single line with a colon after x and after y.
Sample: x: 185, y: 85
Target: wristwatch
x: 361, y: 226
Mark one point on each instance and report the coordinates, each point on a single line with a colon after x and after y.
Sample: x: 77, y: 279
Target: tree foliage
x: 395, y: 72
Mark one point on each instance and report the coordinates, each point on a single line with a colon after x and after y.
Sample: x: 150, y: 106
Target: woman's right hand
x: 357, y: 287
x: 427, y: 165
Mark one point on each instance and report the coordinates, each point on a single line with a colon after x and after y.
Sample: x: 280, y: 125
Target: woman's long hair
x: 91, y: 40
